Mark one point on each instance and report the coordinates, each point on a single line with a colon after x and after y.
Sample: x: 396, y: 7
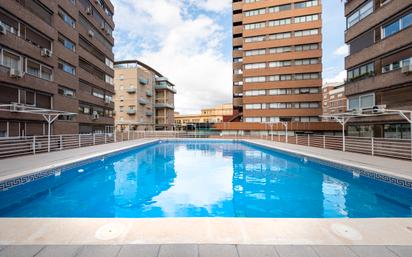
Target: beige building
x: 334, y: 100
x: 144, y: 98
x: 205, y: 119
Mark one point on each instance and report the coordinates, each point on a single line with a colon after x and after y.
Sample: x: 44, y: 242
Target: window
x: 66, y: 42
x: 255, y: 52
x: 306, y: 4
x: 109, y: 62
x: 255, y: 79
x: 307, y: 18
x: 98, y: 93
x: 362, y: 71
x: 307, y: 61
x: 255, y: 92
x: 255, y: 25
x: 304, y: 76
x: 309, y: 32
x: 397, y: 25
x: 11, y: 60
x: 280, y: 77
x: 255, y: 12
x: 280, y: 36
x: 255, y: 66
x: 67, y: 18
x: 237, y: 60
x: 254, y: 39
x: 361, y: 102
x: 306, y: 47
x: 280, y: 8
x: 278, y: 50
x: 64, y: 66
x: 360, y: 14
x: 253, y: 106
x: 253, y: 119
x: 109, y: 79
x: 33, y: 68
x: 279, y: 22
x: 280, y: 64
x: 46, y: 73
x: 66, y: 91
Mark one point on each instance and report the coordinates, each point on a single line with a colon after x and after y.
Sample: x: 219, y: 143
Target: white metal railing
x: 17, y: 146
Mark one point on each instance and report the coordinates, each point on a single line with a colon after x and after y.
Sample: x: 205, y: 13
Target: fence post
x: 324, y: 142
x: 80, y: 140
x: 308, y: 139
x: 296, y: 139
x: 61, y: 142
x: 34, y: 144
x: 373, y: 146
x: 122, y: 136
x: 105, y: 138
x: 94, y: 139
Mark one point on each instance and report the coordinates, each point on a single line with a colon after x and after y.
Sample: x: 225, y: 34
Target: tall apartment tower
x: 277, y: 60
x: 56, y: 55
x: 144, y: 98
x: 379, y: 64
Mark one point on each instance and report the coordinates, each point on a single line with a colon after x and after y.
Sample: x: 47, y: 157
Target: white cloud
x: 340, y: 77
x: 186, y: 49
x: 343, y: 50
x: 212, y: 5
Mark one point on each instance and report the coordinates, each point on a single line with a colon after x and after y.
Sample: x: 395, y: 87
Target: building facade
x: 379, y: 64
x: 144, y: 98
x: 277, y: 60
x: 205, y: 120
x: 56, y: 55
x: 334, y: 100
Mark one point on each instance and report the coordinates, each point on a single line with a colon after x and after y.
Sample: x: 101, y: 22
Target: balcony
x: 131, y: 90
x: 142, y: 101
x: 165, y: 87
x: 149, y: 113
x: 164, y: 105
x: 149, y: 93
x: 238, y: 101
x: 143, y: 81
x: 377, y: 82
x: 131, y: 112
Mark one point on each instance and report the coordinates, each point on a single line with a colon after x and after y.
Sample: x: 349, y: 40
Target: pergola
x: 343, y: 118
x: 48, y: 114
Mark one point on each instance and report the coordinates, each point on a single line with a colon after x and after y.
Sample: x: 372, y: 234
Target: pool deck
x: 204, y: 251
x: 182, y: 237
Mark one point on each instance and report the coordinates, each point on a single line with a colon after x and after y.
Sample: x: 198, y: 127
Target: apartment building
x: 334, y: 100
x: 379, y: 64
x: 56, y: 55
x: 144, y: 98
x: 277, y: 60
x: 205, y: 120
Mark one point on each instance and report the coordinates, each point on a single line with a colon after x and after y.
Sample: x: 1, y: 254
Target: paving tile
x: 334, y: 251
x: 372, y: 251
x: 99, y: 251
x: 20, y: 250
x: 295, y: 251
x: 256, y: 251
x: 178, y: 251
x: 139, y: 251
x: 217, y: 251
x: 402, y: 251
x: 59, y: 250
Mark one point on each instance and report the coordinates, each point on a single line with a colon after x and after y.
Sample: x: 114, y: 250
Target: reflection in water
x: 206, y: 179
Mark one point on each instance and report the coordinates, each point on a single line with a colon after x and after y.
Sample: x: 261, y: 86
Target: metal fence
x: 392, y: 148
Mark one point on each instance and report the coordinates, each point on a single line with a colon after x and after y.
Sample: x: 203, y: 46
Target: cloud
x: 340, y: 77
x: 212, y: 5
x: 185, y: 46
x: 343, y: 50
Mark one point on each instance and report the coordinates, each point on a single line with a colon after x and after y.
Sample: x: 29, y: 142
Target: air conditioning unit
x: 3, y: 30
x: 89, y: 10
x: 15, y: 73
x: 378, y: 109
x: 356, y: 111
x: 91, y: 33
x: 407, y: 69
x: 95, y: 115
x: 14, y: 107
x: 46, y: 52
x: 102, y: 27
x: 107, y: 31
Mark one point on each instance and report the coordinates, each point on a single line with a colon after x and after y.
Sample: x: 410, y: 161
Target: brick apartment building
x: 144, y: 98
x: 379, y: 64
x: 56, y: 55
x: 334, y: 100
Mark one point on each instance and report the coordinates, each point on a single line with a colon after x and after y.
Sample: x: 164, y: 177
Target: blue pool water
x: 205, y: 179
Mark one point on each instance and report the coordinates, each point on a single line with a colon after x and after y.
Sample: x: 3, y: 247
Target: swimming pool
x: 205, y: 179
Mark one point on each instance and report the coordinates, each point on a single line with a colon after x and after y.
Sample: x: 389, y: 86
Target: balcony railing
x: 142, y: 101
x: 165, y: 87
x: 164, y: 105
x: 131, y: 90
x: 131, y: 112
x: 143, y: 81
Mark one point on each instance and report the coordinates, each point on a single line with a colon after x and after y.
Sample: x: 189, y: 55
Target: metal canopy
x: 48, y: 114
x: 343, y: 118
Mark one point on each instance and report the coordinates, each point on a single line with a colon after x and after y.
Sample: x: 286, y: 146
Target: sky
x: 190, y: 43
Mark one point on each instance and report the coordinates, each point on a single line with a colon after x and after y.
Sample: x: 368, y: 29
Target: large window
x: 64, y: 66
x: 67, y: 43
x: 360, y: 14
x: 38, y: 70
x: 67, y: 18
x: 361, y: 72
x: 306, y: 4
x: 66, y: 91
x: 11, y: 60
x: 397, y: 25
x: 361, y: 102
